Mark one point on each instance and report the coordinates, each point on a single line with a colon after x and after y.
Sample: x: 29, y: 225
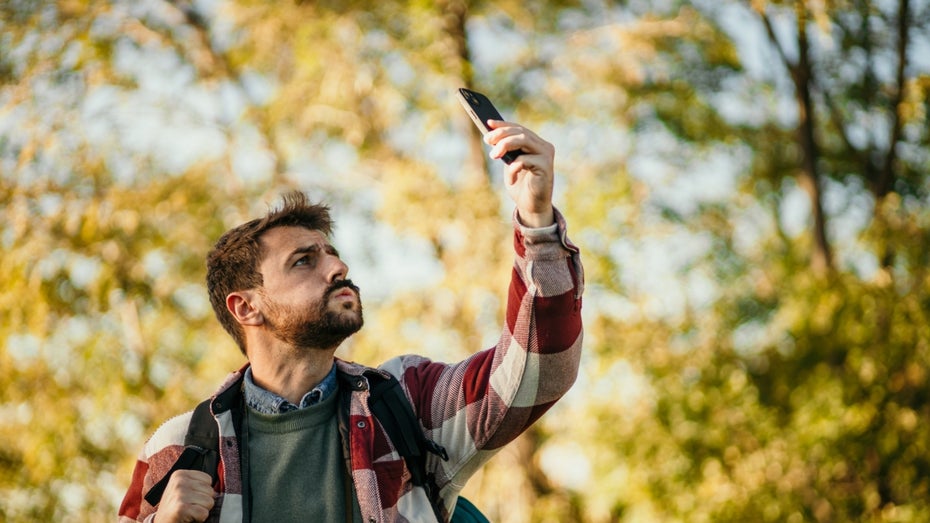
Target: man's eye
x: 303, y: 260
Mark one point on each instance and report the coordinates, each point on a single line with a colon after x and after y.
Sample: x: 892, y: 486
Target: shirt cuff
x: 550, y: 242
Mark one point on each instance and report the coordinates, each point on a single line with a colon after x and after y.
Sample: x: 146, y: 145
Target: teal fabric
x: 466, y: 512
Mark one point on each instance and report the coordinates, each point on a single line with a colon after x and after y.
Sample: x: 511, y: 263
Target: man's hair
x: 233, y: 263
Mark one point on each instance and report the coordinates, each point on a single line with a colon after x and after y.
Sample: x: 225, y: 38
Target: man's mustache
x: 342, y: 284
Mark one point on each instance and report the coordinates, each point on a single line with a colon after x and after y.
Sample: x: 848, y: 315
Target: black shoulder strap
x: 392, y: 408
x: 203, y: 430
x: 201, y: 450
x: 389, y: 404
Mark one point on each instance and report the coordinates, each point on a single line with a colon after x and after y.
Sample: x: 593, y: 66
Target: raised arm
x: 476, y: 406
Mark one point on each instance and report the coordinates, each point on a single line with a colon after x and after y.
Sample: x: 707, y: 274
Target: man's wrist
x: 536, y: 220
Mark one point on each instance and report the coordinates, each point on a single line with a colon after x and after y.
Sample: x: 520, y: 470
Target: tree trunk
x: 454, y: 16
x: 883, y: 183
x: 809, y: 176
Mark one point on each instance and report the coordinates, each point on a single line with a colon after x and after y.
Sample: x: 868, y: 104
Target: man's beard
x: 320, y: 327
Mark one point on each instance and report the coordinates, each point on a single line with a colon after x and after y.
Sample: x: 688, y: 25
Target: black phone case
x: 480, y: 109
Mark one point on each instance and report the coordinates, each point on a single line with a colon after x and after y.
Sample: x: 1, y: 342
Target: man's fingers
x: 192, y: 479
x: 516, y: 169
x: 188, y: 497
x: 195, y: 514
x: 510, y: 143
x: 512, y: 137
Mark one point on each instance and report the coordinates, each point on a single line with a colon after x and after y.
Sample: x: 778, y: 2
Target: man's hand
x: 529, y: 178
x: 188, y: 497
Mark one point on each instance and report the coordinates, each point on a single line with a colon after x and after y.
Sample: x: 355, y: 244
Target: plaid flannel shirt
x: 472, y: 408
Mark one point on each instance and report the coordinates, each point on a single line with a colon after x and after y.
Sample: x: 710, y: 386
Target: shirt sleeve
x: 157, y: 457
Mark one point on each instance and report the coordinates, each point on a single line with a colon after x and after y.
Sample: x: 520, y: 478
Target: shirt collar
x: 267, y: 402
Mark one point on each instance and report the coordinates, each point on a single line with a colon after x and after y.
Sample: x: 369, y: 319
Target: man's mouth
x: 344, y: 293
x: 343, y: 289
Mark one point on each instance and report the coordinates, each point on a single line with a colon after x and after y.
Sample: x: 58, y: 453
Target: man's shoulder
x: 412, y: 371
x: 170, y: 434
x: 395, y: 366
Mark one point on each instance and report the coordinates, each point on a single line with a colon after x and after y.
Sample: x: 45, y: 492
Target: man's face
x: 305, y: 298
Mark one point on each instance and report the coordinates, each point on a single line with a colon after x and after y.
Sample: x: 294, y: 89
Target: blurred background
x: 748, y: 182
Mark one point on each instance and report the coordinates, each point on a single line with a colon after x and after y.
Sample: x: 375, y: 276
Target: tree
x: 793, y: 392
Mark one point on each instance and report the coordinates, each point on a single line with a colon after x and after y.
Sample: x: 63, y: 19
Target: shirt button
x: 360, y: 424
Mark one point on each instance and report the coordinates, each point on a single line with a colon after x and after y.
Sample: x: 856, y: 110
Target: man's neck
x: 290, y: 372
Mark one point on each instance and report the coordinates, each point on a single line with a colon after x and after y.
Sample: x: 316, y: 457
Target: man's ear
x: 242, y: 305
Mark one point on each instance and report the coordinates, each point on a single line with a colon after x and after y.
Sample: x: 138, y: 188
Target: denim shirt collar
x: 267, y: 402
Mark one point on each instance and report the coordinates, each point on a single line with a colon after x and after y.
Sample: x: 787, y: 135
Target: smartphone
x: 480, y: 109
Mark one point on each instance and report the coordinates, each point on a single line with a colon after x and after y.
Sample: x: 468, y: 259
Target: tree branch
x: 886, y: 177
x: 802, y: 76
x: 454, y: 16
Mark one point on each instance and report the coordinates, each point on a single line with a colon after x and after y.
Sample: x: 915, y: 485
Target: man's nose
x: 338, y: 270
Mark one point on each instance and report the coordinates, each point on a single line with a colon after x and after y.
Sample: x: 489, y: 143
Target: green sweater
x: 296, y: 470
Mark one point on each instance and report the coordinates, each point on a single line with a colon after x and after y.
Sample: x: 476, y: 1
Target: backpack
x: 387, y: 402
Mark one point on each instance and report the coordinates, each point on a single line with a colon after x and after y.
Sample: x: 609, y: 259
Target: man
x: 298, y: 441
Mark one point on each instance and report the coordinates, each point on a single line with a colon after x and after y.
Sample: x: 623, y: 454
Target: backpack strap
x: 392, y: 408
x: 201, y: 451
x: 390, y: 405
